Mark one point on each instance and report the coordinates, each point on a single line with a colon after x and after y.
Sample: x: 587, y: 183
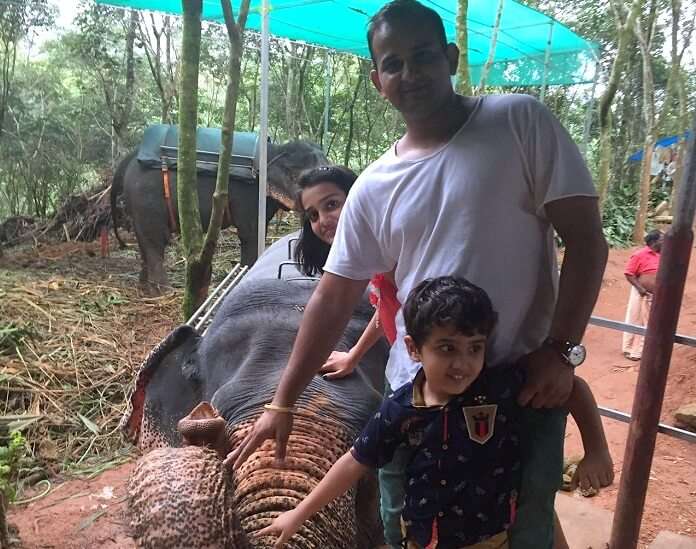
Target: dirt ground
x: 81, y: 513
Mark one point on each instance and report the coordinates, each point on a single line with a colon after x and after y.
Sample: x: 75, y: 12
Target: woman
x: 323, y: 192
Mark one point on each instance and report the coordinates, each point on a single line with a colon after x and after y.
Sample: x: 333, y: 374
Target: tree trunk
x: 351, y: 121
x: 491, y: 50
x: 645, y: 41
x: 463, y: 77
x: 9, y: 58
x: 624, y: 35
x: 187, y: 191
x: 199, y: 252
x: 235, y: 33
x: 290, y: 112
x: 4, y: 530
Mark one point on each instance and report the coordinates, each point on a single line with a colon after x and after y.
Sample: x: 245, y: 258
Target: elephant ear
x: 286, y: 164
x: 169, y: 369
x: 287, y: 202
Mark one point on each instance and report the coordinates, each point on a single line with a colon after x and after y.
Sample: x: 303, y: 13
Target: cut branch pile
x: 67, y: 361
x: 13, y: 228
x: 81, y: 217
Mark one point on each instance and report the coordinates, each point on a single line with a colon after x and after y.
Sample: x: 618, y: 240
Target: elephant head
x: 286, y: 163
x: 235, y: 367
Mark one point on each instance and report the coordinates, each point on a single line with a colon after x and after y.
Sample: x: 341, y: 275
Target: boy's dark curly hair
x: 448, y: 301
x: 310, y: 251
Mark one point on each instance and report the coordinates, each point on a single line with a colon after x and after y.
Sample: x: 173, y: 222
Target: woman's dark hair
x: 405, y: 11
x: 310, y: 251
x: 448, y: 301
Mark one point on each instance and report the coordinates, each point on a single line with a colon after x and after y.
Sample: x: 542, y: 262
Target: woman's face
x: 322, y: 203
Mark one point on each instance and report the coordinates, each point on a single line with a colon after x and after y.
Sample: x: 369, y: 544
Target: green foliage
x: 59, y: 133
x: 13, y: 335
x: 101, y: 303
x: 10, y: 459
x: 619, y: 216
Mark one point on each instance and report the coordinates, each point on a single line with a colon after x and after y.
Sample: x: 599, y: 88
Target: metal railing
x: 624, y: 417
x: 203, y: 315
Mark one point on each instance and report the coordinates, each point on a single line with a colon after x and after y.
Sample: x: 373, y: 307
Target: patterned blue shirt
x: 463, y: 474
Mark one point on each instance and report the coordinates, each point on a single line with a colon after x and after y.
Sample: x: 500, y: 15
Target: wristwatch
x: 573, y: 353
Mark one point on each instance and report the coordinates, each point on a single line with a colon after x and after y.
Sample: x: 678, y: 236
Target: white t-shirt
x: 474, y: 208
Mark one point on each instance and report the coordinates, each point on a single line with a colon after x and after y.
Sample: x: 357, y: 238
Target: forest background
x: 73, y: 104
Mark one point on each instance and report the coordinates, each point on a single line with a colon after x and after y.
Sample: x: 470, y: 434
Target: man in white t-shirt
x: 474, y: 188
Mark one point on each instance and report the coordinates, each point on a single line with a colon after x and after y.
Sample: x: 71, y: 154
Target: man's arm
x: 342, y: 475
x: 341, y: 364
x: 633, y: 280
x: 578, y: 222
x: 326, y: 316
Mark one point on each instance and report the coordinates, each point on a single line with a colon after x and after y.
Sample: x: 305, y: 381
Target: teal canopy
x: 532, y: 48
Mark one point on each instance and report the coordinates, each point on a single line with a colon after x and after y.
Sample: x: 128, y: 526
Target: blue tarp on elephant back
x: 160, y: 142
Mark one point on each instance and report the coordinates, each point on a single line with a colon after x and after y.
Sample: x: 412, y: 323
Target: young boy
x: 459, y: 422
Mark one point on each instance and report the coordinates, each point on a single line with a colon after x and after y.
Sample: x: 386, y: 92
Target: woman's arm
x: 340, y: 364
x: 596, y: 469
x: 342, y: 475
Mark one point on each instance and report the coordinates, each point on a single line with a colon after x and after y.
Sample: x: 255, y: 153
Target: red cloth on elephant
x: 383, y: 297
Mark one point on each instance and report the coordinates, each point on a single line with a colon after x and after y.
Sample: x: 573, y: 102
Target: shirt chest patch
x: 480, y: 421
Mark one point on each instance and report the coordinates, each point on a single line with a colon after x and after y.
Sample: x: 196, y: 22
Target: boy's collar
x: 417, y: 398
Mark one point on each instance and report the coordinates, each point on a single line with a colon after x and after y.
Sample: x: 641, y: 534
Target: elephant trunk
x: 183, y: 497
x: 263, y: 491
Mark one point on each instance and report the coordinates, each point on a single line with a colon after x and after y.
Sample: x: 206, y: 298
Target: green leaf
x: 89, y: 424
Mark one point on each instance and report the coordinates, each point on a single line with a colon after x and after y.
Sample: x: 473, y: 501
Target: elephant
x: 196, y: 397
x: 143, y: 192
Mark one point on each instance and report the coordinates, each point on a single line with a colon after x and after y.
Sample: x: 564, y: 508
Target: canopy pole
x: 654, y: 366
x: 327, y: 100
x: 588, y: 114
x: 263, y: 131
x: 547, y: 59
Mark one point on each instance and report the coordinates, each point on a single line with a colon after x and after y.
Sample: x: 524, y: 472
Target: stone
x: 586, y: 526
x: 686, y: 416
x: 670, y: 540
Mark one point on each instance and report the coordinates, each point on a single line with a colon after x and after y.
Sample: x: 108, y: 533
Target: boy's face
x: 412, y: 68
x: 451, y: 360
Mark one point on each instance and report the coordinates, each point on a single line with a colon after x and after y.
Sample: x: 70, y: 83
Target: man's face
x: 657, y: 244
x: 413, y: 70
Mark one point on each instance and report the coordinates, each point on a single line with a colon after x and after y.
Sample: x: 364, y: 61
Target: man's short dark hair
x: 405, y: 11
x: 653, y: 236
x: 448, y: 301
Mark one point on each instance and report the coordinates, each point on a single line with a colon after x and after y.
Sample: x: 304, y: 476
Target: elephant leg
x: 247, y: 239
x: 244, y: 212
x: 153, y: 277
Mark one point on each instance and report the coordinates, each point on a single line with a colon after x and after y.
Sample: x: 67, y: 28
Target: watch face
x: 576, y: 356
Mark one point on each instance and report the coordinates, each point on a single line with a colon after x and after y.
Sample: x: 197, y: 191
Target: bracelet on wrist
x: 282, y: 409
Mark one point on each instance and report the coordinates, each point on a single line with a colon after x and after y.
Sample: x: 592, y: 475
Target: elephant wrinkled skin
x: 181, y: 496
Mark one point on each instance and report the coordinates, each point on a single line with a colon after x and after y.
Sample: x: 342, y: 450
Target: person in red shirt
x: 641, y: 271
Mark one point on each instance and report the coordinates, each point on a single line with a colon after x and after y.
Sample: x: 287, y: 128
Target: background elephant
x: 145, y: 203
x: 181, y: 497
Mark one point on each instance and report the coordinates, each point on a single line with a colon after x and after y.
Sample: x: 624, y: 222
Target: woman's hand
x: 338, y: 365
x: 284, y: 526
